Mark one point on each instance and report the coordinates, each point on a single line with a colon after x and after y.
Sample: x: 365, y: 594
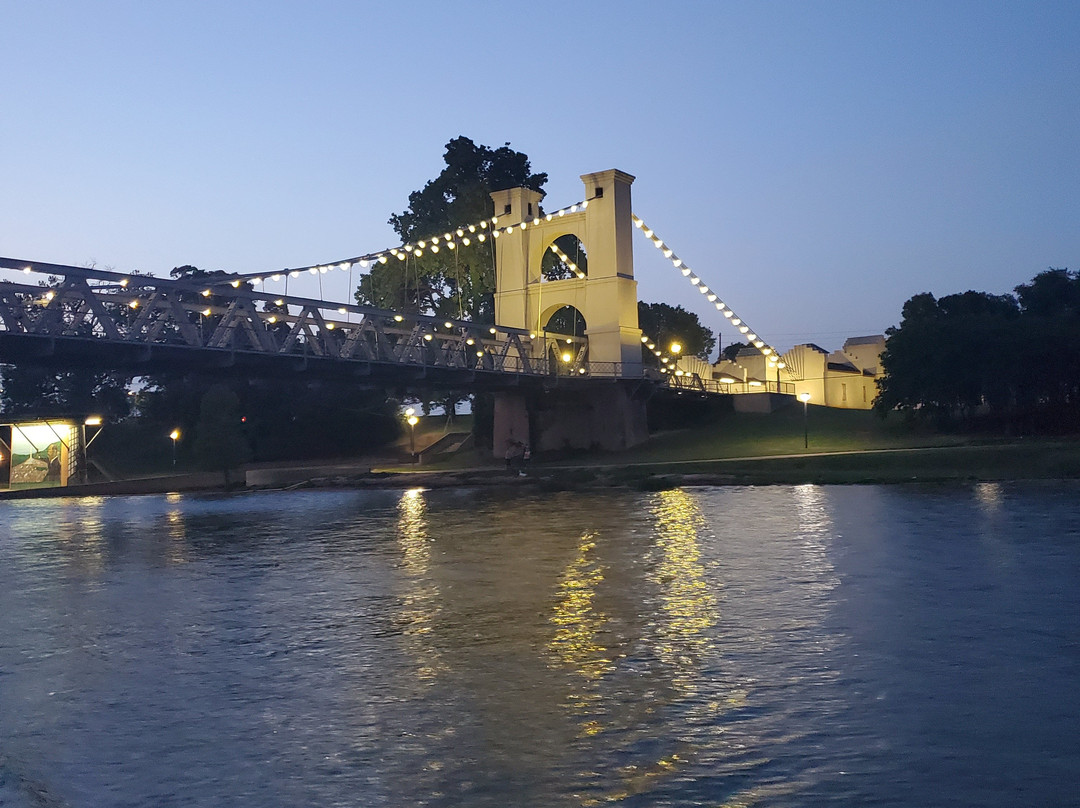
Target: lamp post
x: 676, y: 349
x: 805, y: 397
x: 90, y: 420
x: 175, y: 435
x: 412, y: 421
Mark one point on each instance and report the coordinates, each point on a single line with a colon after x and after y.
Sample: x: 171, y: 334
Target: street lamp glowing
x: 676, y: 348
x: 805, y: 397
x: 412, y: 421
x: 175, y: 435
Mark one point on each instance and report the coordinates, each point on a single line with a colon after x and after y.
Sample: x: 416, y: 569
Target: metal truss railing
x: 217, y: 315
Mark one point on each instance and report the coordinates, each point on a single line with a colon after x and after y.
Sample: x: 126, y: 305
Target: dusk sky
x: 816, y: 163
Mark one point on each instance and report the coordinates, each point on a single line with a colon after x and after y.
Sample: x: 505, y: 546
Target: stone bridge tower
x: 587, y: 415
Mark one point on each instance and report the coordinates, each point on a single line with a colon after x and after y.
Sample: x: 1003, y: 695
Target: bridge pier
x: 606, y: 417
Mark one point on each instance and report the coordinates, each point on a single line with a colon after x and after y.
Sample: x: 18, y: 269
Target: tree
x: 731, y: 352
x: 666, y: 324
x: 459, y: 282
x: 1050, y: 370
x: 949, y: 357
x: 220, y: 443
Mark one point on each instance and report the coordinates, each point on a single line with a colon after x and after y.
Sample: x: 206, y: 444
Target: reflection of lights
x: 689, y: 609
x: 420, y: 601
x: 579, y: 625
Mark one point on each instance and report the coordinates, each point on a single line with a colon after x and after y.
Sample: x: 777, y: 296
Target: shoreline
x: 997, y: 462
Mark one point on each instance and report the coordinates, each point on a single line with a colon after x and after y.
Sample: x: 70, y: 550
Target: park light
x: 412, y: 421
x: 175, y: 436
x: 92, y: 420
x: 804, y: 397
x: 676, y: 348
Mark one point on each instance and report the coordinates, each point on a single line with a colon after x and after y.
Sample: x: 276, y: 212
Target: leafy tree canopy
x: 1013, y: 357
x: 452, y: 283
x: 667, y: 324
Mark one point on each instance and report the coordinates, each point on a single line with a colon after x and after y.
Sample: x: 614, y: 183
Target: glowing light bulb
x: 685, y: 271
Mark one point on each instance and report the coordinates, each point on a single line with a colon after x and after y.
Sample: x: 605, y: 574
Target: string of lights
x: 462, y: 236
x: 710, y: 295
x: 567, y: 260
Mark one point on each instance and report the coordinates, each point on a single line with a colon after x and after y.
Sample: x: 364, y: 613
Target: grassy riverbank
x: 844, y: 446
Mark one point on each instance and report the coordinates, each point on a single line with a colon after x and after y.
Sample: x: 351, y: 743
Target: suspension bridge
x: 57, y: 314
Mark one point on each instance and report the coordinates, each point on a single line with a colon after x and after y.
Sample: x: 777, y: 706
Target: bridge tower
x: 604, y: 416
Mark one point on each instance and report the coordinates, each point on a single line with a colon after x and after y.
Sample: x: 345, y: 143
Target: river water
x: 740, y: 646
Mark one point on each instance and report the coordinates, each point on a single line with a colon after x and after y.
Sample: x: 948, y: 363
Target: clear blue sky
x: 817, y: 163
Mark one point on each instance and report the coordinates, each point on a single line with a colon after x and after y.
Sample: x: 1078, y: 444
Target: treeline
x: 221, y: 420
x: 1004, y: 361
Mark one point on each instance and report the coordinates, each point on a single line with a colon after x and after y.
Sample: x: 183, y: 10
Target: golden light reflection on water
x: 679, y: 636
x: 420, y: 603
x: 177, y: 550
x: 688, y: 606
x: 578, y: 626
x: 815, y: 532
x: 990, y: 495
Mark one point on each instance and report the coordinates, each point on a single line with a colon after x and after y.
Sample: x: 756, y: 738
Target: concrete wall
x: 604, y: 417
